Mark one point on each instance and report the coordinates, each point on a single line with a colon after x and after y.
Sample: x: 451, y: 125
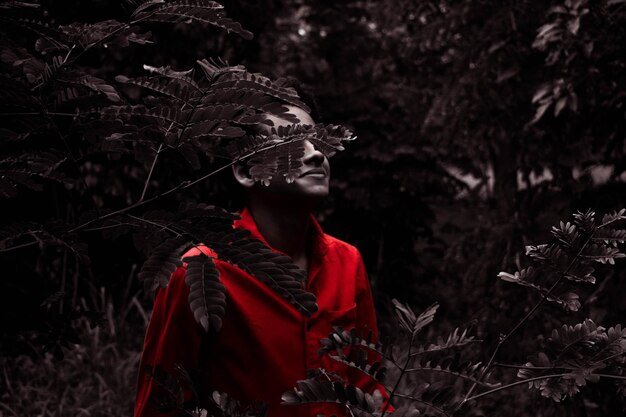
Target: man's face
x: 313, y: 179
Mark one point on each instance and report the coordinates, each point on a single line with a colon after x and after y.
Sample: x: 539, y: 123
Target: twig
x: 421, y: 401
x: 182, y: 186
x: 513, y: 384
x: 156, y: 157
x: 539, y: 378
x: 506, y: 337
x: 162, y: 226
x: 402, y: 373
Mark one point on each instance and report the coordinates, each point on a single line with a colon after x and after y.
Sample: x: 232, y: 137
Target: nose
x: 312, y: 156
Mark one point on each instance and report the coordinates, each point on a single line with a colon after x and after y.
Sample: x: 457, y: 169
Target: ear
x: 241, y: 172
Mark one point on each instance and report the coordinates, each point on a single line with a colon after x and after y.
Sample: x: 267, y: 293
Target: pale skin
x: 282, y: 210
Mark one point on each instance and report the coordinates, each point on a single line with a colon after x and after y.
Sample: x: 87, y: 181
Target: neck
x: 284, y: 227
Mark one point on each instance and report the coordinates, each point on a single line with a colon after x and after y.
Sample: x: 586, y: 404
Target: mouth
x: 316, y: 172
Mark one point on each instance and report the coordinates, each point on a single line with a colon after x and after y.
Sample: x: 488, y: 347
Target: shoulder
x: 342, y: 249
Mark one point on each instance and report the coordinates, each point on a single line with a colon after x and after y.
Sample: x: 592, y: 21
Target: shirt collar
x: 319, y: 243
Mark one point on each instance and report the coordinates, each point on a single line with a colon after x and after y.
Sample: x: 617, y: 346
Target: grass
x: 96, y: 378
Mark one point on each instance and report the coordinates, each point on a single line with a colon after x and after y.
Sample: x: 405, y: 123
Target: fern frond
x: 601, y: 253
x: 610, y: 236
x: 170, y: 87
x: 313, y: 390
x: 275, y: 270
x: 451, y: 366
x: 158, y: 268
x: 162, y: 115
x: 214, y: 69
x: 581, y: 351
x: 207, y: 295
x: 258, y: 83
x: 285, y: 158
x: 340, y: 338
x: 184, y: 11
x: 411, y: 323
x: 51, y: 39
x: 94, y: 84
x: 613, y: 217
x: 86, y: 34
x: 258, y: 101
x: 455, y: 339
x: 167, y: 71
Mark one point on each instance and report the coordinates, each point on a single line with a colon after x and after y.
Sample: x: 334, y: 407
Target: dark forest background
x: 480, y: 125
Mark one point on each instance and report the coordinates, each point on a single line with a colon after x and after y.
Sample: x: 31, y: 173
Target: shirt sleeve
x: 173, y: 338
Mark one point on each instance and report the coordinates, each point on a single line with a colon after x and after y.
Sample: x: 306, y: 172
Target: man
x: 265, y: 345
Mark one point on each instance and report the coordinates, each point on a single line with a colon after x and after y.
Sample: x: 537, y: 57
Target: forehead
x: 304, y: 117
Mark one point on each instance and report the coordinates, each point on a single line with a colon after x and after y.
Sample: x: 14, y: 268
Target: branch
x: 419, y: 400
x: 538, y: 378
x: 156, y: 157
x: 402, y: 372
x: 506, y: 337
x: 513, y: 384
x: 182, y: 186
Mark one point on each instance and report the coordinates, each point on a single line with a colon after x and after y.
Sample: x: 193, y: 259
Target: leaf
x: 207, y: 295
x: 186, y: 11
x: 276, y: 270
x: 173, y: 88
x: 163, y: 261
x: 409, y: 321
x: 314, y: 390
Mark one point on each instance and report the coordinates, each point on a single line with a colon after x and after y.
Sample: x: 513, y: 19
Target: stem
x: 419, y: 400
x: 513, y: 384
x: 445, y: 371
x: 162, y: 226
x: 538, y: 378
x: 37, y: 113
x: 402, y: 373
x: 534, y: 368
x: 181, y: 186
x: 145, y: 187
x: 524, y: 320
x: 23, y: 245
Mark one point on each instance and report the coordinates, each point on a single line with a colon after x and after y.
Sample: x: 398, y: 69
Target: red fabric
x: 265, y: 345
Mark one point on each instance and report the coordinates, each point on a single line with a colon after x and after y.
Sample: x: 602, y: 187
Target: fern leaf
x: 51, y: 39
x: 613, y: 217
x: 258, y: 83
x: 161, y: 115
x: 275, y: 270
x: 184, y: 11
x: 409, y: 321
x: 88, y: 34
x: 167, y: 71
x: 450, y: 366
x: 455, y: 339
x: 213, y: 69
x: 207, y: 295
x: 581, y: 350
x: 170, y: 87
x: 601, y: 253
x: 94, y: 84
x: 315, y: 390
x: 610, y: 236
x: 158, y: 268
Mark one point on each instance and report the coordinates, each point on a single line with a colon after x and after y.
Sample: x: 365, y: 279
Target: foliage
x: 576, y: 354
x: 452, y: 175
x: 67, y: 126
x: 94, y: 376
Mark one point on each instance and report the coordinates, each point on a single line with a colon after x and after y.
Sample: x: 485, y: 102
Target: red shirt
x: 265, y: 344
